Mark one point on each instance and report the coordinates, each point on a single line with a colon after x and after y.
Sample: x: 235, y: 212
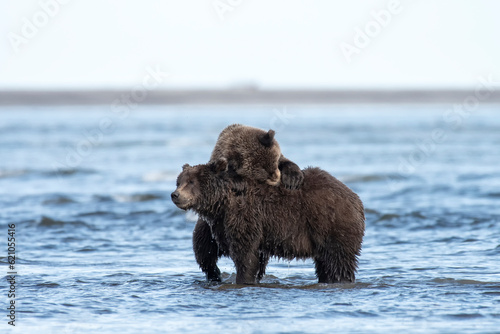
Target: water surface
x: 102, y: 249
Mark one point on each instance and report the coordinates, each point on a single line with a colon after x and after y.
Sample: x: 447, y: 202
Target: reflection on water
x: 102, y: 248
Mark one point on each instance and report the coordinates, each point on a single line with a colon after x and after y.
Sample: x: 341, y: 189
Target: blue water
x: 101, y: 249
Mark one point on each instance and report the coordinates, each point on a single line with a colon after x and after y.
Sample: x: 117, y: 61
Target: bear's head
x: 251, y: 153
x: 200, y: 185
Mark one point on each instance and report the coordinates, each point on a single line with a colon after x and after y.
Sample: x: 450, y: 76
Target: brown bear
x: 251, y: 221
x: 254, y: 154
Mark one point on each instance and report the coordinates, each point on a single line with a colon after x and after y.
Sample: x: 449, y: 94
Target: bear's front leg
x: 292, y: 176
x: 206, y: 250
x: 243, y: 234
x: 247, y: 268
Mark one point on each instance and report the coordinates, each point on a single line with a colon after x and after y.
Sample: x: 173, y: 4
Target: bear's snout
x: 180, y: 200
x: 175, y: 195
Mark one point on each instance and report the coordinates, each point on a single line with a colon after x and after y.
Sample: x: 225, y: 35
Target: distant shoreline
x: 248, y: 96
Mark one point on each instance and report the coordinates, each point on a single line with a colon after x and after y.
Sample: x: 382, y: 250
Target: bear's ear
x: 267, y: 138
x: 185, y: 166
x: 220, y: 165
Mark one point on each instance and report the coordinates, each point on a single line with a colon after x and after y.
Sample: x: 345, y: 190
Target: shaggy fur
x: 254, y: 154
x: 251, y: 221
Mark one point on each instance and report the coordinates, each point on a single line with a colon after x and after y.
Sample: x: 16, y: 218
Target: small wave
x: 72, y: 239
x: 112, y: 283
x: 95, y: 213
x: 47, y: 285
x: 494, y: 251
x: 103, y: 311
x: 454, y: 239
x: 87, y: 249
x: 403, y: 190
x: 102, y: 198
x: 13, y: 173
x: 61, y: 172
x: 475, y: 177
x: 361, y: 314
x: 492, y: 293
x: 141, y: 213
x: 449, y: 239
x: 465, y: 316
x: 136, y: 198
x: 69, y: 172
x: 388, y: 216
x: 427, y: 220
x: 470, y: 240
x: 50, y: 222
x: 59, y: 199
x: 371, y: 178
x: 68, y: 305
x: 126, y: 198
x: 492, y: 195
x: 417, y: 214
x: 81, y: 281
x: 460, y: 281
x: 424, y: 268
x: 124, y: 274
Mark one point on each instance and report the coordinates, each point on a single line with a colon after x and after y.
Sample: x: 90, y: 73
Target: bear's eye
x: 191, y: 182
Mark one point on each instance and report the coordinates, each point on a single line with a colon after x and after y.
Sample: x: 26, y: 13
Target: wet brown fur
x: 254, y: 154
x: 251, y: 221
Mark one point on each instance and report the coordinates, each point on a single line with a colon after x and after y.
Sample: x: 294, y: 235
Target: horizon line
x: 244, y: 96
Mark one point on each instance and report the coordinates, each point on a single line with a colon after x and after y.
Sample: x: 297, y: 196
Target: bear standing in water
x: 253, y: 155
x: 251, y: 221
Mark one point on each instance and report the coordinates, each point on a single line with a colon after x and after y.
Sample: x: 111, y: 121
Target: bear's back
x: 323, y: 188
x: 292, y: 223
x: 320, y: 195
x: 317, y: 179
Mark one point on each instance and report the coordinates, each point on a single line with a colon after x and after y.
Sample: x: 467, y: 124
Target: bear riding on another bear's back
x: 251, y: 221
x: 254, y: 154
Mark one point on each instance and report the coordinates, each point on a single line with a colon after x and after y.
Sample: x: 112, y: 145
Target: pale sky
x: 271, y: 44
